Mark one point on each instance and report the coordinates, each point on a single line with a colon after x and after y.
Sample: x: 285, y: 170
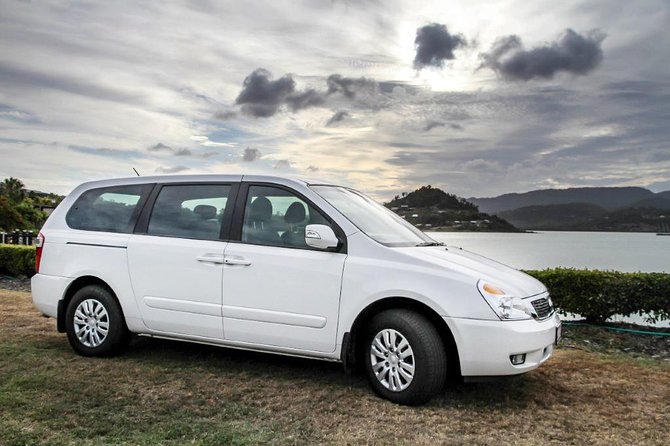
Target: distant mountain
x: 625, y: 220
x: 656, y: 202
x: 553, y: 216
x: 608, y: 198
x: 432, y: 209
x: 582, y: 209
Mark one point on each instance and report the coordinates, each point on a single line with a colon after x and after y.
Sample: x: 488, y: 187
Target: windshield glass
x: 373, y: 219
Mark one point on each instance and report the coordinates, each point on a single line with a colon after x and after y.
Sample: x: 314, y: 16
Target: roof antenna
x: 136, y: 172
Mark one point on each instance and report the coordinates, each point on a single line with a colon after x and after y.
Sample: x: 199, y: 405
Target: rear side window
x: 108, y: 209
x: 189, y: 211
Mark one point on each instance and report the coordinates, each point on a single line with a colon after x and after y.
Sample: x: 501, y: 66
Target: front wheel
x: 94, y: 323
x: 405, y: 360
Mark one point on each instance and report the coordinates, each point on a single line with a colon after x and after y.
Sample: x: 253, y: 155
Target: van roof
x: 203, y: 178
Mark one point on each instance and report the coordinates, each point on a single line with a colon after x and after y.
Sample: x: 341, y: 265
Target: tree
x: 10, y: 218
x: 13, y: 189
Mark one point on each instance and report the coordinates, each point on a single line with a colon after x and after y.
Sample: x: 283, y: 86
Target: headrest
x: 295, y: 213
x: 205, y: 211
x: 260, y: 210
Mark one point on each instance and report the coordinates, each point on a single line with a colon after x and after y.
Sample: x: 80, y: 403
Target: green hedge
x: 17, y: 260
x: 597, y: 295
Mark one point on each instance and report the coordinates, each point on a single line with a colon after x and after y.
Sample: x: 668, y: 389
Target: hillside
x: 432, y: 209
x: 656, y: 202
x: 625, y: 220
x: 608, y: 198
x: 553, y: 217
x: 632, y: 209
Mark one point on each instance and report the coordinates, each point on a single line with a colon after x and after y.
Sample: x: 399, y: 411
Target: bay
x: 619, y: 251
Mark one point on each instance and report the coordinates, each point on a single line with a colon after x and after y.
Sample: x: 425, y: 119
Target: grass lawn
x: 163, y: 392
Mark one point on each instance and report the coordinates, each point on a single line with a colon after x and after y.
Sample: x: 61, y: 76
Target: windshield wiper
x: 430, y: 244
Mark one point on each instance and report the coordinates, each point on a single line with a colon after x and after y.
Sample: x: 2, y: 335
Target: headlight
x: 505, y: 306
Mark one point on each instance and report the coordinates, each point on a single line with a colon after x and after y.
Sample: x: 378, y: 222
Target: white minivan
x: 285, y: 266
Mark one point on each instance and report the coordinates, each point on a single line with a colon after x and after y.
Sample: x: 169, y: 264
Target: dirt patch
x: 610, y: 339
x: 14, y: 284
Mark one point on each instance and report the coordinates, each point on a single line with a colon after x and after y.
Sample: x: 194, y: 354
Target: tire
x: 413, y: 366
x: 91, y: 310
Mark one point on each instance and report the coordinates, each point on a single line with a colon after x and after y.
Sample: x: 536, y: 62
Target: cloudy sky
x: 479, y: 98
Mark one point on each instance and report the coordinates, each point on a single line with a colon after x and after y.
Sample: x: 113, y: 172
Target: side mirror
x: 321, y: 237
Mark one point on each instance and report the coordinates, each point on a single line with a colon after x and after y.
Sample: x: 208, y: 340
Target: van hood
x: 456, y: 259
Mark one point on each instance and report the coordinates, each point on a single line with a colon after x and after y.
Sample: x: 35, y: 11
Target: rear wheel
x: 94, y: 323
x: 405, y: 360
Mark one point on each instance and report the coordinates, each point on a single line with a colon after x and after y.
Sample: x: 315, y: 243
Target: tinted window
x: 277, y: 217
x: 189, y: 211
x: 109, y: 209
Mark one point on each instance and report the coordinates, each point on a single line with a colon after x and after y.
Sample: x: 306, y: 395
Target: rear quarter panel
x: 74, y: 254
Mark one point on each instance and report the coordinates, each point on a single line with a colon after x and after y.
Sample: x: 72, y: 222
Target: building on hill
x: 433, y: 209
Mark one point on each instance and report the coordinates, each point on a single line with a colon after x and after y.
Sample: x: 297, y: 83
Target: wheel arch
x: 75, y: 286
x: 352, y: 343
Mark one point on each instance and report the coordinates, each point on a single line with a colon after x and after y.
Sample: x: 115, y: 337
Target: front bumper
x: 485, y: 347
x: 47, y: 291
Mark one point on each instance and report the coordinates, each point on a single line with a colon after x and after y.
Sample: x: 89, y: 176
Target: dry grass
x: 177, y: 393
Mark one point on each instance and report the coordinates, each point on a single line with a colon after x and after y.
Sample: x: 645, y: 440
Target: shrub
x: 17, y: 260
x: 598, y: 295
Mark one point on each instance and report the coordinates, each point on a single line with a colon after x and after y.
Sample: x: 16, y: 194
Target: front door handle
x: 236, y: 261
x: 210, y: 258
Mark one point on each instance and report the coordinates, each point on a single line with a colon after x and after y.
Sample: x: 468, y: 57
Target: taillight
x: 39, y: 243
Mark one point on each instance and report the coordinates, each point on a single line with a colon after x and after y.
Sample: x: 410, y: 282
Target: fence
x: 18, y: 237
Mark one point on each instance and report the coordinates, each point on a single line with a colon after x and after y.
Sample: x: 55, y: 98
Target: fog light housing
x: 518, y: 359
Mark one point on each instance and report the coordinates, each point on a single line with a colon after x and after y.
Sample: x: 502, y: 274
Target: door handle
x: 236, y: 261
x: 210, y: 258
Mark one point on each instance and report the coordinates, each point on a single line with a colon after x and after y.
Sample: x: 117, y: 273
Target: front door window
x: 277, y: 217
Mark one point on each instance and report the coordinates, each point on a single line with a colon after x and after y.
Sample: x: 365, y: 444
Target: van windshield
x: 373, y: 219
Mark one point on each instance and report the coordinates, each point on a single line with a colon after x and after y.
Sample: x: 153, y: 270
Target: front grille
x: 542, y: 307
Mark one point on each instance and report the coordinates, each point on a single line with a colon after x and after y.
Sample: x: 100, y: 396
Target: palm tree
x: 13, y: 189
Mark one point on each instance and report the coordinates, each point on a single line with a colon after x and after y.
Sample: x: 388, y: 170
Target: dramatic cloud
x: 432, y: 124
x: 174, y: 169
x: 224, y: 115
x: 572, y: 53
x: 183, y: 151
x: 349, y: 86
x: 434, y: 44
x: 251, y: 154
x: 282, y: 164
x: 306, y: 99
x: 337, y: 117
x: 261, y: 96
x: 160, y: 147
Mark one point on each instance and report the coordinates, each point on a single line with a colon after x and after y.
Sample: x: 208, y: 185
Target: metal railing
x: 18, y: 237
